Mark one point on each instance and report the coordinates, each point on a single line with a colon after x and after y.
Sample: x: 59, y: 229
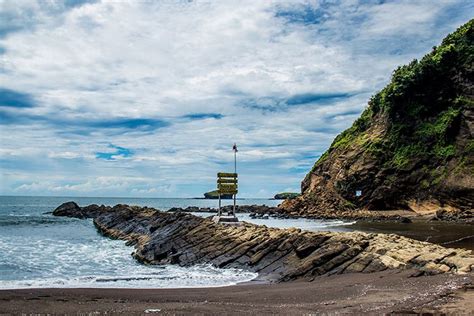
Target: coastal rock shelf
x: 277, y: 212
x: 276, y: 254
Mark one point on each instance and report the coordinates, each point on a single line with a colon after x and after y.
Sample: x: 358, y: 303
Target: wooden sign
x: 227, y: 186
x: 227, y: 180
x: 228, y: 191
x: 226, y: 175
x: 227, y: 183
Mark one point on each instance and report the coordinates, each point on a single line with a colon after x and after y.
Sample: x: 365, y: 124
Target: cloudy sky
x: 146, y: 98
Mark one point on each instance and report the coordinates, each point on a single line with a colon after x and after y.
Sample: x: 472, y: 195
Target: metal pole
x: 233, y: 212
x: 219, y: 212
x: 235, y: 171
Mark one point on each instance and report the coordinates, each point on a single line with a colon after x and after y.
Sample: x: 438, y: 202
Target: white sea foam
x: 99, y: 262
x: 303, y: 223
x: 40, y: 250
x: 169, y: 277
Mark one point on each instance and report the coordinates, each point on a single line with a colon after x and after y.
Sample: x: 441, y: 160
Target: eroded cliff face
x: 412, y: 148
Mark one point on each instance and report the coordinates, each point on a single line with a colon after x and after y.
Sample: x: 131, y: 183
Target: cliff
x: 276, y: 254
x: 412, y: 148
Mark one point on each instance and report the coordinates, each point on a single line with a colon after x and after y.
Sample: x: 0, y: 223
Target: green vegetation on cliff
x: 422, y: 103
x: 215, y: 195
x: 286, y: 195
x: 413, y: 136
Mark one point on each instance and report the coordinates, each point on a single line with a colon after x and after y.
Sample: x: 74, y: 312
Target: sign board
x: 226, y: 175
x: 227, y: 186
x: 227, y: 183
x: 228, y: 192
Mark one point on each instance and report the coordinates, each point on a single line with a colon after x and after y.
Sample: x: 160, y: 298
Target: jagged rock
x: 276, y: 254
x: 254, y: 210
x: 70, y: 209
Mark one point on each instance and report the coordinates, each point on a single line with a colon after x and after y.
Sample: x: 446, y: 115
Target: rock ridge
x: 276, y: 254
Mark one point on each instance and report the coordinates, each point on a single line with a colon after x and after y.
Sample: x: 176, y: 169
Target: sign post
x: 227, y: 183
x: 234, y: 148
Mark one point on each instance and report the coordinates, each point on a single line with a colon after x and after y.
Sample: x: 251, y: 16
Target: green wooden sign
x: 228, y: 191
x: 227, y: 183
x: 224, y: 180
x: 227, y: 186
x: 226, y: 175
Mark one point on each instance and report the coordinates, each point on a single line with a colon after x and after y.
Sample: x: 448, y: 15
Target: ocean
x: 38, y: 249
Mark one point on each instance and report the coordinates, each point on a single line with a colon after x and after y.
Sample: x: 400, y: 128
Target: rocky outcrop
x: 264, y: 211
x: 412, y: 148
x: 286, y: 195
x: 276, y: 254
x: 215, y: 195
x: 257, y: 209
x: 70, y: 209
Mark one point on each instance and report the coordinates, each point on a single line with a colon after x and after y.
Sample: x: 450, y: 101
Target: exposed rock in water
x: 276, y: 254
x: 258, y: 209
x: 286, y: 195
x: 70, y: 209
x: 412, y: 148
x: 215, y: 195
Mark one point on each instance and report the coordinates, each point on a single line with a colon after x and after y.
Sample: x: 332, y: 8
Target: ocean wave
x: 340, y: 223
x: 173, y: 277
x: 24, y: 220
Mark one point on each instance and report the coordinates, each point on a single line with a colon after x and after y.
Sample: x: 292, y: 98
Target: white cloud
x: 90, y: 66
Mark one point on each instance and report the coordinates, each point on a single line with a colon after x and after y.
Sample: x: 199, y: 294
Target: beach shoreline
x: 380, y: 292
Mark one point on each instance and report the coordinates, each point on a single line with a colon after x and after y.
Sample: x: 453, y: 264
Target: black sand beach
x: 376, y: 293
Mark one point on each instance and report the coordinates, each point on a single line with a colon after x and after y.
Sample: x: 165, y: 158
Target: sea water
x: 38, y: 249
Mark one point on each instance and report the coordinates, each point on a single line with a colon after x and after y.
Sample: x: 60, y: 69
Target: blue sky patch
x: 130, y: 123
x: 203, y: 116
x: 300, y: 99
x: 303, y: 14
x: 15, y: 99
x: 117, y: 151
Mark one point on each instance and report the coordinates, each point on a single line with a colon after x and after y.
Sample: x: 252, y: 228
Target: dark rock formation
x: 215, y: 195
x: 70, y: 209
x: 412, y: 148
x: 276, y: 254
x: 257, y: 209
x: 286, y: 195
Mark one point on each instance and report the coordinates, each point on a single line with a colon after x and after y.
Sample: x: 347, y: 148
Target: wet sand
x: 382, y: 292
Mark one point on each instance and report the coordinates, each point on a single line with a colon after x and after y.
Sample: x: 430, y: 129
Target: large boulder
x: 70, y: 209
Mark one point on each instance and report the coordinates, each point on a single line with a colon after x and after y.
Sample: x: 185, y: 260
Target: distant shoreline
x: 125, y: 197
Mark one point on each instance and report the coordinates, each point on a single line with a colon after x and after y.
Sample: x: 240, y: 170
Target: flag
x: 234, y: 148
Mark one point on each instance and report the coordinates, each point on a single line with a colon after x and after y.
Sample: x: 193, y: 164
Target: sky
x: 146, y: 98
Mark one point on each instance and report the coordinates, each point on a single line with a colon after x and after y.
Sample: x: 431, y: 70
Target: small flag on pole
x: 234, y: 148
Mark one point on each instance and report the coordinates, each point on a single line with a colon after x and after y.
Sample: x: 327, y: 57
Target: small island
x: 215, y: 195
x: 286, y: 195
